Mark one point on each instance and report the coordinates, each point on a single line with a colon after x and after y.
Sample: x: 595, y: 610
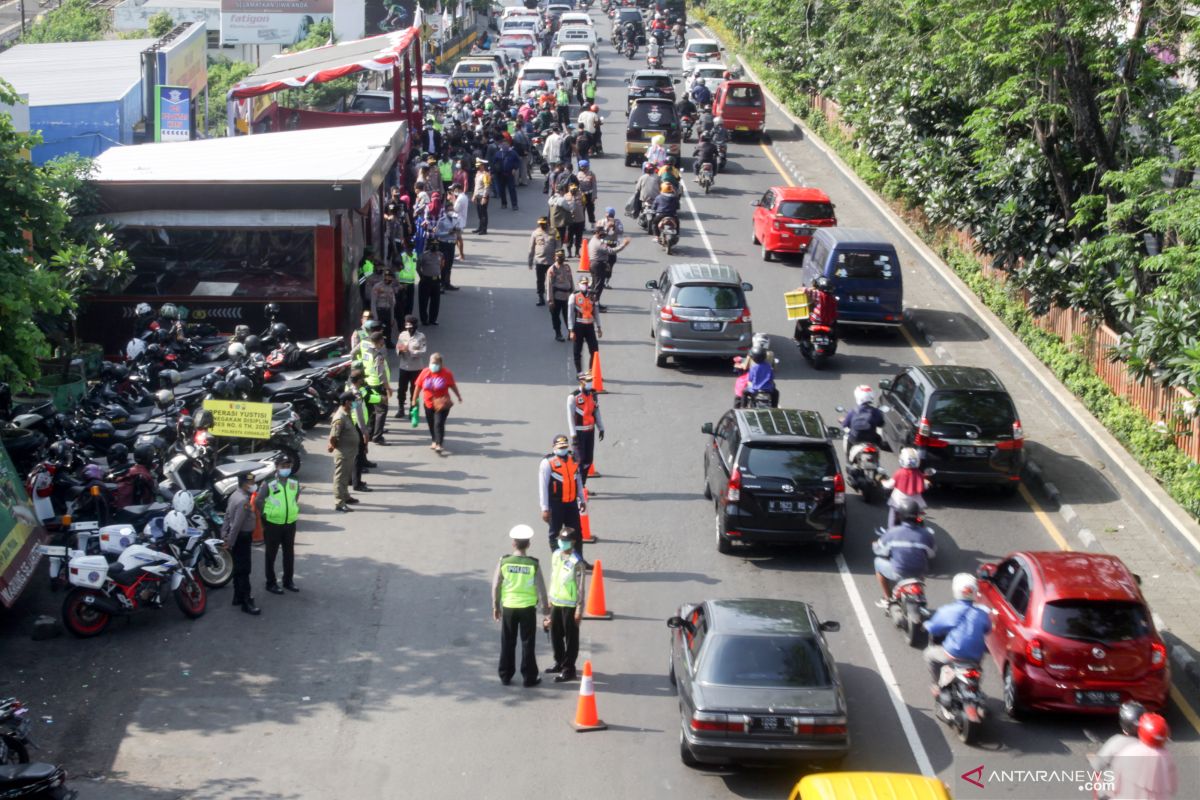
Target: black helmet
x: 704, y: 137
x: 372, y: 326
x: 118, y: 455
x: 153, y: 351
x: 220, y: 388
x: 145, y: 454
x: 169, y: 378
x: 60, y: 452
x: 253, y: 344
x: 185, y: 426
x: 120, y: 372
x: 241, y: 332
x: 758, y: 355
x: 101, y: 429
x: 823, y: 283
x: 163, y: 336
x: 1130, y: 712
x: 204, y: 418
x: 243, y: 384
x: 271, y: 310
x: 908, y: 509
x: 281, y: 332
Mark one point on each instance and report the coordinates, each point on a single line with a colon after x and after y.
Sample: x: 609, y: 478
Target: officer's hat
x: 522, y: 533
x: 543, y: 221
x: 567, y: 532
x: 561, y: 439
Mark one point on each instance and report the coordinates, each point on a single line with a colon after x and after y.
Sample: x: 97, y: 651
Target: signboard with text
x: 271, y: 21
x: 20, y: 533
x: 184, y: 60
x: 172, y: 114
x: 239, y: 419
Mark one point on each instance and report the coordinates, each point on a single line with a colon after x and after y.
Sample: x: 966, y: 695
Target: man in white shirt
x: 462, y: 207
x: 588, y: 119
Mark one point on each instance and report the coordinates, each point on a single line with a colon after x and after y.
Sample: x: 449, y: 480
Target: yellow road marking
x: 1043, y: 518
x: 775, y: 162
x: 1185, y: 708
x: 920, y: 351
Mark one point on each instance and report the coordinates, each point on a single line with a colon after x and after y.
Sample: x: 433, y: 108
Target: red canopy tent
x: 398, y: 52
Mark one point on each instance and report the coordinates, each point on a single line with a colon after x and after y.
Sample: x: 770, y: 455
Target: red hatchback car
x: 1072, y: 632
x: 785, y: 216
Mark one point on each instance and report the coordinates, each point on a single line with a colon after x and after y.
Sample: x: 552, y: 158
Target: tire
x: 707, y: 186
x: 671, y: 673
x: 968, y: 731
x: 708, y: 495
x: 1012, y: 702
x: 16, y: 753
x: 218, y: 573
x: 1009, y: 489
x: 660, y: 360
x: 724, y: 546
x: 308, y: 416
x: 685, y: 754
x: 912, y: 633
x: 767, y: 255
x: 833, y: 548
x: 192, y: 597
x: 81, y: 619
x: 753, y: 236
x: 668, y: 247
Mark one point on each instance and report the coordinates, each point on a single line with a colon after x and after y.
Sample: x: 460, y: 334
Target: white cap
x: 964, y: 586
x: 521, y: 533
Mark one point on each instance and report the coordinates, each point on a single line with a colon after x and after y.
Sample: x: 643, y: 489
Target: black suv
x: 961, y: 420
x: 656, y: 83
x: 773, y: 474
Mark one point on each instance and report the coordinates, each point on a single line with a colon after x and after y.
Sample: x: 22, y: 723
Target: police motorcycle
x: 18, y: 777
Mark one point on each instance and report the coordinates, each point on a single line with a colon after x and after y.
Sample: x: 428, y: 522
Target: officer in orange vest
x: 583, y: 421
x: 560, y: 492
x: 583, y: 322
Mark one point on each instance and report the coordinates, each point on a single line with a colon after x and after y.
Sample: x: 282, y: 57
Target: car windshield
x: 1095, y: 621
x: 803, y: 209
x: 865, y: 265
x: 703, y: 48
x: 800, y: 464
x: 791, y: 661
x: 987, y: 414
x: 722, y: 298
x: 374, y: 105
x: 652, y: 81
x: 744, y: 96
x: 652, y: 116
x: 538, y: 75
x: 515, y: 40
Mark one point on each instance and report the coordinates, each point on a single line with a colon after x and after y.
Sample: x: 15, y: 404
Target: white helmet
x: 521, y: 533
x: 236, y: 351
x: 909, y: 458
x: 717, y: 120
x: 964, y: 586
x: 176, y: 523
x: 762, y: 340
x: 135, y: 348
x: 143, y: 310
x: 183, y: 502
x: 863, y: 394
x: 164, y: 397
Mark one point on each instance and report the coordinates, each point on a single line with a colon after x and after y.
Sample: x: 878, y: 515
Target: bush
x: 73, y: 21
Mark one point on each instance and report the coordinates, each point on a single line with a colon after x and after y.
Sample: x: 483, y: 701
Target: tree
x: 72, y: 21
x: 160, y: 24
x: 223, y: 74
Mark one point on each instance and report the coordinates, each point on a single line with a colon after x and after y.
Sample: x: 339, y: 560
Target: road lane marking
x: 920, y: 351
x: 1044, y: 518
x: 687, y: 198
x: 775, y: 161
x: 1185, y: 707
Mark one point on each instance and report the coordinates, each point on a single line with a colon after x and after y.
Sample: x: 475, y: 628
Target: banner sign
x: 172, y: 114
x: 239, y: 419
x: 20, y: 533
x: 184, y: 61
x: 271, y: 21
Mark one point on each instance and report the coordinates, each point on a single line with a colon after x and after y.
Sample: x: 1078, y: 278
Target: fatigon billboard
x: 172, y: 114
x: 271, y: 21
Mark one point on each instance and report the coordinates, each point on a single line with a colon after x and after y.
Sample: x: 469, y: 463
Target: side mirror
x: 833, y: 432
x: 885, y: 385
x: 1137, y: 578
x: 707, y: 428
x: 651, y: 284
x: 985, y: 572
x: 929, y: 472
x: 675, y: 622
x: 831, y: 626
x: 747, y: 287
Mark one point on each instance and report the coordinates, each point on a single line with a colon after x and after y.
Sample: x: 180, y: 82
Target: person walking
x: 462, y: 210
x: 278, y: 502
x: 343, y: 443
x: 357, y: 385
x: 237, y: 531
x: 378, y: 376
x: 584, y: 422
x: 480, y: 194
x: 583, y: 322
x: 542, y: 246
x: 510, y: 170
x: 517, y: 590
x: 566, y: 605
x: 578, y: 209
x: 560, y: 215
x: 603, y: 252
x: 410, y: 347
x: 562, y: 104
x: 435, y: 383
x: 560, y: 492
x: 429, y: 290
x: 559, y: 282
x: 552, y: 147
x: 383, y: 304
x: 445, y: 233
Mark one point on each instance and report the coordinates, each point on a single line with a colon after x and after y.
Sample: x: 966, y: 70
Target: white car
x: 520, y: 45
x: 522, y: 23
x: 713, y: 74
x: 575, y: 18
x: 697, y: 51
x: 543, y: 68
x: 578, y: 57
x: 519, y: 11
x: 576, y: 34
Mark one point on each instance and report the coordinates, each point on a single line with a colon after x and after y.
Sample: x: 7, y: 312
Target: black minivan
x: 648, y: 117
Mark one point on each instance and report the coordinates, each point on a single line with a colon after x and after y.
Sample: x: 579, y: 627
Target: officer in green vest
x: 445, y: 169
x: 378, y: 375
x: 566, y: 605
x: 517, y: 591
x: 562, y: 105
x: 366, y: 275
x: 405, y: 266
x: 278, y: 504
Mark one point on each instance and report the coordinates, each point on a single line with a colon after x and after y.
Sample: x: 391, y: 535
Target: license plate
x: 863, y: 298
x: 706, y: 326
x: 742, y: 128
x: 972, y: 451
x: 770, y: 723
x: 1097, y: 698
x: 652, y: 134
x: 821, y: 341
x: 786, y: 506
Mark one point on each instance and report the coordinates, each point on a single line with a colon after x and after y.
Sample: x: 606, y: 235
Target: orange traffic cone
x: 586, y: 718
x: 592, y: 470
x: 256, y: 538
x: 595, y: 608
x: 585, y: 524
x: 585, y: 262
x: 597, y: 373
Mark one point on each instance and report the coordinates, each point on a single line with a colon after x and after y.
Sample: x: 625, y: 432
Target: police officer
x: 238, y: 533
x: 379, y: 379
x: 279, y: 503
x: 517, y: 590
x: 406, y: 280
x: 542, y: 246
x: 358, y: 413
x: 343, y: 443
x: 559, y: 283
x: 566, y: 605
x: 583, y: 323
x: 583, y: 421
x: 560, y: 491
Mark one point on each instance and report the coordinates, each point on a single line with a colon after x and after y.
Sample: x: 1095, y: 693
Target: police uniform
x: 406, y: 277
x: 278, y: 502
x: 378, y: 379
x: 517, y: 591
x: 238, y: 533
x: 560, y: 491
x: 566, y: 599
x: 583, y: 420
x: 583, y: 321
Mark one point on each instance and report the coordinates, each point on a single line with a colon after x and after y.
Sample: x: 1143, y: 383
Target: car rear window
x: 802, y: 209
x: 865, y: 265
x: 573, y: 55
x: 766, y: 661
x: 652, y: 116
x: 373, y: 105
x: 1095, y: 621
x: 538, y: 75
x: 724, y: 298
x: 744, y: 96
x: 800, y: 464
x: 630, y: 15
x: 514, y: 40
x: 652, y: 81
x: 703, y: 48
x: 988, y: 414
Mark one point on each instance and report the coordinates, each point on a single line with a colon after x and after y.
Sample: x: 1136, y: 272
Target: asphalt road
x: 379, y: 679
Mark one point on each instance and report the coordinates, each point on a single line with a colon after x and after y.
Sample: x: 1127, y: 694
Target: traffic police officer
x: 379, y: 378
x: 583, y: 322
x: 238, y: 532
x: 560, y: 490
x: 583, y: 421
x: 278, y: 503
x: 566, y: 605
x: 517, y: 590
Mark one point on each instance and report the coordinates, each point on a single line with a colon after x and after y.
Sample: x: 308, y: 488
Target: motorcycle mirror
x: 707, y: 428
x: 834, y: 432
x: 830, y: 626
x: 839, y: 409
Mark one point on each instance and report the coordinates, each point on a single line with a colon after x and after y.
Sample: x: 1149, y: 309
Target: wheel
x: 724, y: 546
x: 668, y: 247
x: 15, y: 752
x: 707, y: 186
x: 968, y: 731
x: 685, y: 753
x: 1012, y: 699
x: 767, y: 255
x: 81, y: 618
x: 671, y: 673
x: 708, y: 495
x: 216, y: 570
x: 192, y: 597
x: 1009, y: 489
x: 753, y: 236
x: 660, y: 360
x: 912, y: 633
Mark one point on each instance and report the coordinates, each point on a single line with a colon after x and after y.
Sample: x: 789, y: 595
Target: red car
x: 785, y: 216
x: 1072, y: 632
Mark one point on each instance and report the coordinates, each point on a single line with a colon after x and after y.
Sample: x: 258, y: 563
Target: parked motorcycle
x: 18, y: 777
x: 705, y: 176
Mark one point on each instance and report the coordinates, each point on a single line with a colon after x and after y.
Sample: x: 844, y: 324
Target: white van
x: 576, y: 34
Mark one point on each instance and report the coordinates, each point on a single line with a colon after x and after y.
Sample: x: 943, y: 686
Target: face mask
x: 587, y: 385
x: 561, y: 453
x: 435, y: 367
x: 285, y: 472
x: 565, y: 544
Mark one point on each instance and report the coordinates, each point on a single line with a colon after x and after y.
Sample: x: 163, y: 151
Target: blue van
x: 865, y: 272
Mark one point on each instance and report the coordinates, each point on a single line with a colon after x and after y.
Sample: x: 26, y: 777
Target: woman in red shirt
x: 435, y: 384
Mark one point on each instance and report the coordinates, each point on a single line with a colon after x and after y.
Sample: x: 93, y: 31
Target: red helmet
x: 595, y: 109
x: 542, y: 85
x: 1153, y: 730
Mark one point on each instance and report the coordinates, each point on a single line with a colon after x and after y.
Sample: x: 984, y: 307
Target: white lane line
x: 885, y: 672
x: 687, y: 198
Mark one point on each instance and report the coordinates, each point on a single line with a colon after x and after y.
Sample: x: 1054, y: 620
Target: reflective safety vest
x: 583, y: 308
x: 446, y: 170
x: 561, y: 97
x: 562, y: 478
x: 367, y: 269
x: 518, y: 585
x: 408, y: 268
x: 585, y: 410
x: 589, y: 89
x: 281, y: 506
x: 563, y: 589
x: 371, y: 373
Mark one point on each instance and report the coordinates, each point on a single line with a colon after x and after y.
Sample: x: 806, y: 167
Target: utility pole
x: 21, y: 11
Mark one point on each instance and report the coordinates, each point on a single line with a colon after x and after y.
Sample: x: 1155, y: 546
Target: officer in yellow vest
x: 379, y: 383
x: 406, y: 276
x: 278, y: 504
x: 517, y: 591
x: 566, y: 605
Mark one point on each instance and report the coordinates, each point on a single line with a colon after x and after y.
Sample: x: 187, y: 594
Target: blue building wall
x: 85, y: 128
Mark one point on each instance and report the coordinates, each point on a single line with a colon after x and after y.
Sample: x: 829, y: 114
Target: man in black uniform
x: 517, y: 590
x: 238, y: 533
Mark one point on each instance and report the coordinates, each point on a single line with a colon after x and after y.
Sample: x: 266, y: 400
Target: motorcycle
x: 722, y: 155
x: 654, y: 62
x: 687, y: 122
x: 705, y: 176
x: 863, y: 471
x: 680, y: 32
x: 960, y: 702
x: 18, y: 777
x: 630, y: 49
x: 667, y: 233
x: 817, y: 344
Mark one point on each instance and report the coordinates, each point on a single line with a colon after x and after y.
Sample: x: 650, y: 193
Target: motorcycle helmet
x: 118, y: 456
x: 143, y: 310
x: 164, y: 398
x: 543, y: 85
x: 154, y: 352
x: 909, y: 459
x: 169, y: 377
x: 175, y: 523
x: 220, y: 389
x: 236, y: 351
x: 169, y: 311
x: 964, y: 586
x: 1153, y: 730
x: 271, y: 310
x: 648, y: 167
x: 584, y: 163
x: 699, y: 83
x: 908, y: 509
x: 253, y: 344
x: 863, y: 394
x: 60, y: 452
x: 163, y: 336
x: 758, y: 355
x: 93, y: 472
x: 183, y: 502
x: 281, y: 332
x: 371, y: 326
x: 531, y: 103
x: 120, y: 372
x: 667, y: 188
x: 135, y: 349
x: 716, y: 122
x: 823, y: 283
x: 243, y: 385
x: 101, y: 429
x: 185, y: 427
x: 705, y: 137
x: 145, y: 454
x: 762, y: 340
x: 1130, y: 714
x: 204, y: 418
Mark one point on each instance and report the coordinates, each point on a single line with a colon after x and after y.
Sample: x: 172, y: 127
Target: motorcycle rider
x: 822, y: 308
x: 904, y: 550
x: 761, y: 376
x: 1145, y: 768
x: 862, y: 423
x: 645, y: 190
x: 684, y: 107
x: 1129, y: 714
x: 701, y: 94
x: 665, y: 206
x: 908, y: 482
x: 705, y: 153
x: 629, y: 37
x: 962, y: 626
x: 654, y: 54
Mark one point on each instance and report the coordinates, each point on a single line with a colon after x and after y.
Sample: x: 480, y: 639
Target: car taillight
x: 1035, y: 652
x: 733, y: 492
x: 1017, y: 441
x: 973, y: 674
x: 744, y: 316
x: 833, y: 726
x: 668, y: 315
x: 924, y: 436
x: 719, y: 723
x: 839, y: 489
x: 1158, y: 655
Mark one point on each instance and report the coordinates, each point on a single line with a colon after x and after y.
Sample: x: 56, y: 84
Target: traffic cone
x: 585, y: 525
x: 592, y: 470
x: 595, y: 608
x: 256, y: 538
x: 585, y: 262
x: 597, y: 373
x: 586, y: 718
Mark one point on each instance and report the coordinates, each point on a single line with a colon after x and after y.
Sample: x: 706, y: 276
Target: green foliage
x: 223, y: 74
x: 160, y: 24
x: 73, y: 21
x: 319, y: 35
